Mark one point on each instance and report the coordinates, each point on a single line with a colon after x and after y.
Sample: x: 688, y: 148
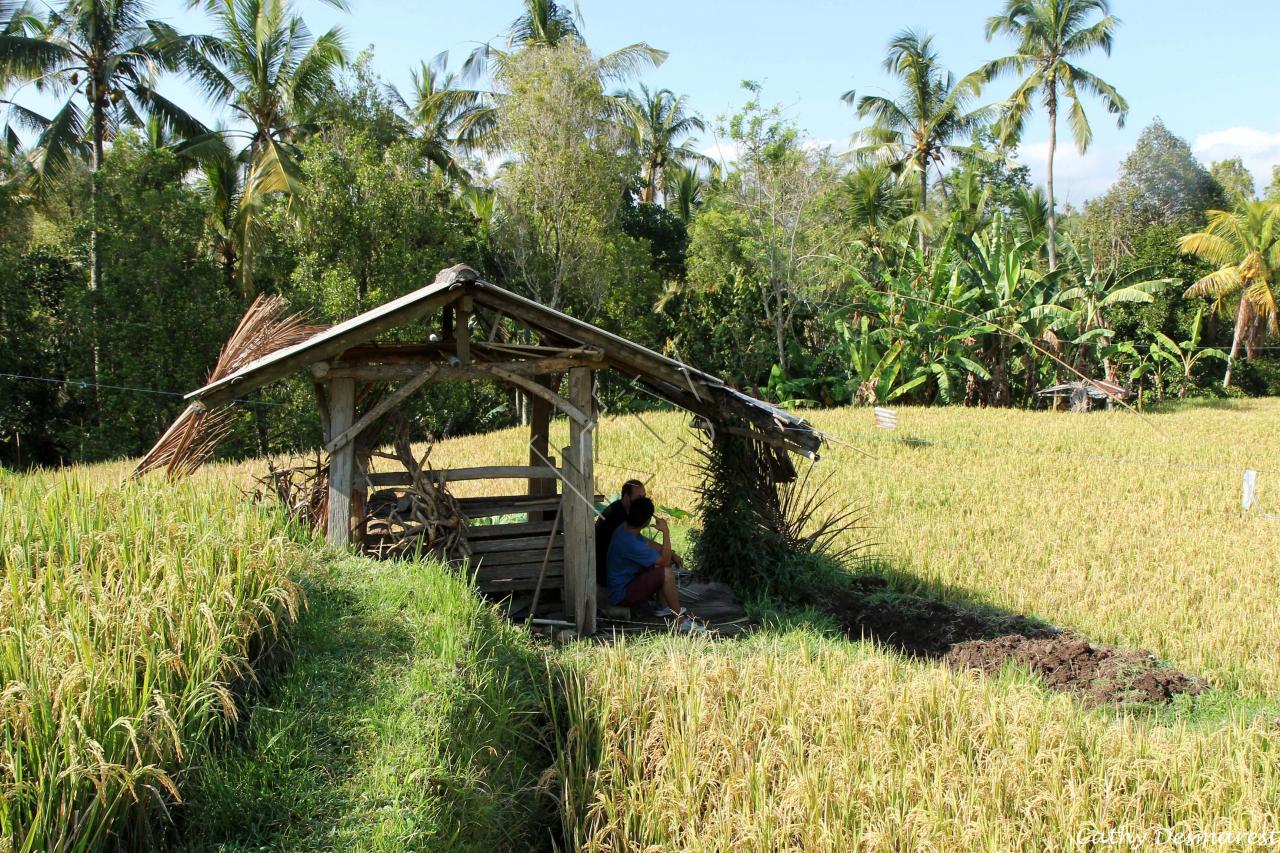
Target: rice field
x: 1031, y: 512
x: 132, y: 615
x: 1127, y: 529
x: 129, y: 619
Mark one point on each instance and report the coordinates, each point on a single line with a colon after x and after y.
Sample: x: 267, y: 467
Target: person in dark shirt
x: 613, y: 517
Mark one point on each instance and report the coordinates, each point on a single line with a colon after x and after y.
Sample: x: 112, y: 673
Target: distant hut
x: 1081, y: 395
x: 360, y: 380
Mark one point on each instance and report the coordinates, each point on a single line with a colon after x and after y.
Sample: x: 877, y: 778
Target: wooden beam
x: 340, y: 338
x: 455, y: 475
x: 539, y: 438
x: 579, y: 508
x: 537, y: 389
x: 500, y: 531
x: 471, y: 372
x: 514, y: 543
x: 383, y: 406
x: 515, y: 558
x: 342, y: 464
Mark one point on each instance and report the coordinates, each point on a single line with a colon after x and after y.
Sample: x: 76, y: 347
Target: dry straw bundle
x: 189, y: 441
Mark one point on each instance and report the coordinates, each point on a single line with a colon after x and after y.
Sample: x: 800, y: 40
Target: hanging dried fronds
x: 189, y: 441
x: 758, y: 517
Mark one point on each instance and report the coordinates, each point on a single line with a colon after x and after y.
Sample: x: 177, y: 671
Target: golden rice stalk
x: 189, y: 441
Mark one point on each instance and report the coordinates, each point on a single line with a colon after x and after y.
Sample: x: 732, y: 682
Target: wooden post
x: 539, y: 435
x: 342, y: 462
x: 462, y: 332
x: 579, y: 506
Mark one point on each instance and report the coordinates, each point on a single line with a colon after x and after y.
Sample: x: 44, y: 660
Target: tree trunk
x: 924, y: 200
x: 1053, y: 144
x: 98, y: 119
x: 1235, y: 341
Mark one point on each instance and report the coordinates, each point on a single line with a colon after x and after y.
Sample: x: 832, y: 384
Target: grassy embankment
x: 796, y: 738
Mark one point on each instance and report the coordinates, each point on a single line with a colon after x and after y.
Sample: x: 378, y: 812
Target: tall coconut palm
x: 663, y: 128
x: 101, y: 57
x: 443, y: 115
x: 546, y: 23
x: 1245, y: 246
x: 917, y: 131
x: 1050, y: 35
x: 20, y: 57
x: 264, y: 64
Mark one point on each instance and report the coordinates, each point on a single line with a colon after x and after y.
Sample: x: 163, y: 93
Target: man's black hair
x: 640, y: 512
x: 630, y: 486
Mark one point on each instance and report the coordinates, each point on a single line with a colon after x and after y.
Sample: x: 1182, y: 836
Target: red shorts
x: 644, y: 585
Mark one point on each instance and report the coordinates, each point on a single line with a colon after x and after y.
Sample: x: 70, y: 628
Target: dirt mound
x: 1101, y: 674
x: 920, y: 626
x: 985, y: 639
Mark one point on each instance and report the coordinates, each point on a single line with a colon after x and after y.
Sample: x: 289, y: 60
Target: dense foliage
x: 924, y: 267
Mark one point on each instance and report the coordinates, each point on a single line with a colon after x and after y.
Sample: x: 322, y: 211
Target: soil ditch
x: 985, y: 640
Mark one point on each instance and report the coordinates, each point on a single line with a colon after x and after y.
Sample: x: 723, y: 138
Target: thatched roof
x: 718, y: 403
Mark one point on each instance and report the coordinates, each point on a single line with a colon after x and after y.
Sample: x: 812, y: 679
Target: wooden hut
x: 456, y: 319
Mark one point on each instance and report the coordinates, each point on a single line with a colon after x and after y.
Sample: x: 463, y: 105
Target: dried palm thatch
x: 758, y: 516
x: 422, y: 517
x: 189, y: 441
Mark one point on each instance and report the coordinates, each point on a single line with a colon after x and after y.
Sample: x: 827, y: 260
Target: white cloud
x: 1076, y: 177
x: 722, y: 152
x: 1259, y: 149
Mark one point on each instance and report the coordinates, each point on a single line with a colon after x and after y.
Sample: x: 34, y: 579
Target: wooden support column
x: 539, y: 436
x: 342, y: 462
x: 578, y: 507
x: 462, y: 331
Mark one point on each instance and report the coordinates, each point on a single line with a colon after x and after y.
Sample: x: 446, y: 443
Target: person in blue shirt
x: 637, y: 568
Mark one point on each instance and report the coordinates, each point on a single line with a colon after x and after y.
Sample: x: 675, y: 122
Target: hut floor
x: 710, y: 602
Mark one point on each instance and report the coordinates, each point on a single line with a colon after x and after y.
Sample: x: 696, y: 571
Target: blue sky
x: 1207, y: 69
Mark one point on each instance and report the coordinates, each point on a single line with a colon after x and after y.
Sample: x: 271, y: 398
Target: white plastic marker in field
x: 1250, y: 496
x: 886, y: 418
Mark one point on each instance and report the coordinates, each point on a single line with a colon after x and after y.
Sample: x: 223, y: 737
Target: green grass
x: 411, y: 719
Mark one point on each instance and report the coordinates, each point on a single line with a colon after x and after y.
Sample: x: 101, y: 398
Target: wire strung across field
x: 85, y: 384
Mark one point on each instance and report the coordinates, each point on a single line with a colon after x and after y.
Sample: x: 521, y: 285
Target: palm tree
x: 880, y: 209
x: 99, y: 54
x: 683, y: 188
x: 1245, y: 246
x: 265, y: 65
x: 546, y: 23
x: 20, y: 57
x: 1050, y: 34
x: 916, y: 132
x: 662, y: 128
x: 445, y: 117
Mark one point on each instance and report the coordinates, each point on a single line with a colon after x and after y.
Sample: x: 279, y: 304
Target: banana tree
x: 1017, y: 302
x: 1090, y: 291
x: 1185, y: 355
x: 875, y: 362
